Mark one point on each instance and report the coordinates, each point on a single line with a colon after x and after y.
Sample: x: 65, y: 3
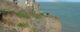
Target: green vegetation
x: 39, y: 15
x: 42, y: 14
x: 23, y: 14
x: 5, y: 12
x: 23, y: 25
x: 29, y: 15
x: 34, y: 30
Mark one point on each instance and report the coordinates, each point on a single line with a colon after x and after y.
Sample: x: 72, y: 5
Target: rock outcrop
x: 47, y: 24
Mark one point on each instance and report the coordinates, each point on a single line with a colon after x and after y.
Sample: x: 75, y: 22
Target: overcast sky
x: 58, y: 0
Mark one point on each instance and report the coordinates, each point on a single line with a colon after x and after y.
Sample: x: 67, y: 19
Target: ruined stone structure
x: 22, y: 3
x: 29, y: 5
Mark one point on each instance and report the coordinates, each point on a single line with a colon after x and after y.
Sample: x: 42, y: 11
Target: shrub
x: 23, y: 14
x: 22, y: 25
x: 5, y: 12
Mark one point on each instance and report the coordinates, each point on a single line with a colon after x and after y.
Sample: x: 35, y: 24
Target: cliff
x: 25, y: 20
x: 47, y: 24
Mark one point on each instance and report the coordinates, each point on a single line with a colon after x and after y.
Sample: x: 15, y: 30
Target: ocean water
x: 69, y: 14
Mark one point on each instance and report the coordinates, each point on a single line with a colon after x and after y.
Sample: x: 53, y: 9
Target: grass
x: 20, y: 13
x: 23, y: 14
x: 39, y: 15
x: 29, y: 15
x: 22, y: 25
x: 34, y: 30
x: 5, y: 12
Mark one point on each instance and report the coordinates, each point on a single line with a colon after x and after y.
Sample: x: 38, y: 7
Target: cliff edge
x: 25, y: 20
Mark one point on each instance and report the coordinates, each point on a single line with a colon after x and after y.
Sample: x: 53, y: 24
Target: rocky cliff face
x: 36, y: 8
x: 47, y: 24
x: 43, y: 24
x: 6, y: 29
x: 31, y: 24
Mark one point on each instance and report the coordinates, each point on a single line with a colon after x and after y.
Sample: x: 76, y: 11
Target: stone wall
x: 36, y: 8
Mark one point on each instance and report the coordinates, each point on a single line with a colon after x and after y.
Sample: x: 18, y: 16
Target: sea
x: 68, y: 12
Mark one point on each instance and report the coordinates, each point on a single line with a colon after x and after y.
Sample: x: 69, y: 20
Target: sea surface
x: 69, y: 14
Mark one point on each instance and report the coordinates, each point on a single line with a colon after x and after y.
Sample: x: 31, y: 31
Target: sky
x: 58, y: 0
